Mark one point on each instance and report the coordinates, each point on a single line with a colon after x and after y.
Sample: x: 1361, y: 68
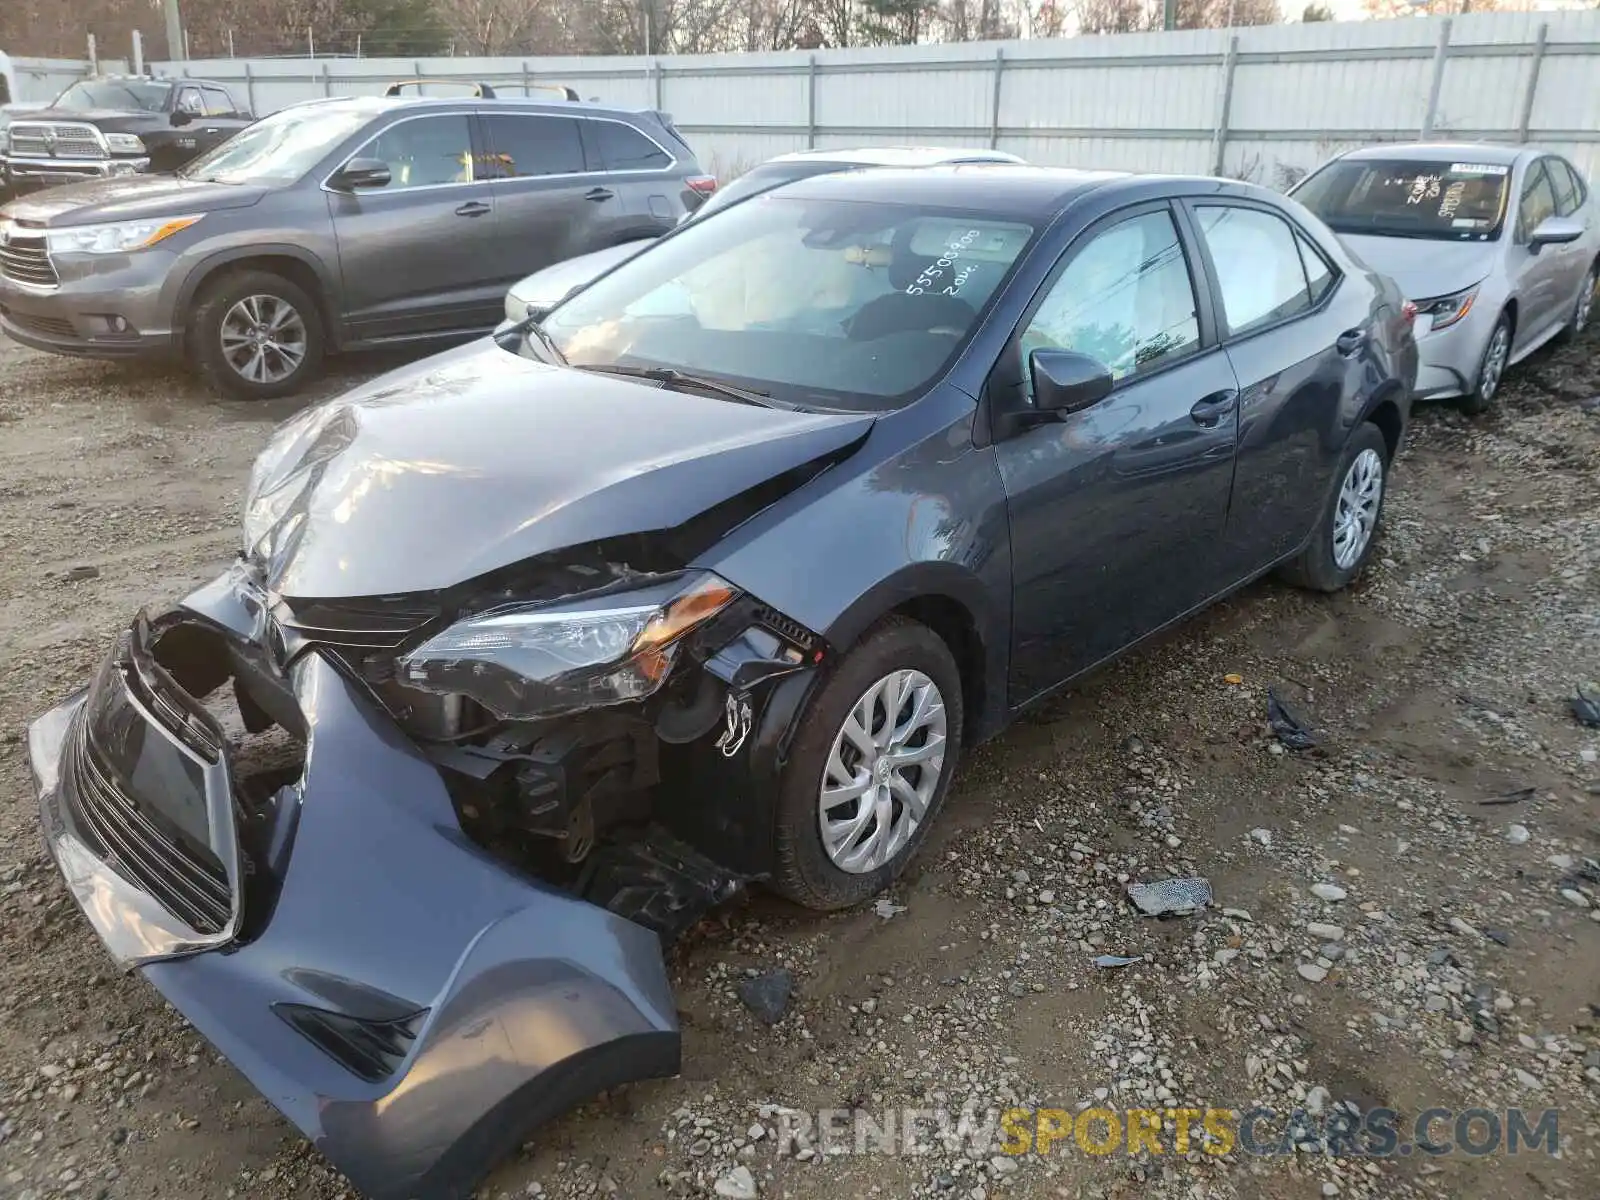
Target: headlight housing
x: 121, y: 238
x: 124, y: 143
x: 1445, y: 311
x: 524, y: 662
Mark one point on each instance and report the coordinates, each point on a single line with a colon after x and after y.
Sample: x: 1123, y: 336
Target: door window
x: 1319, y: 275
x: 624, y: 148
x: 189, y: 102
x: 526, y: 146
x: 1125, y: 299
x: 1538, y: 201
x: 218, y: 102
x: 425, y: 152
x: 1258, y: 266
x: 1569, y: 191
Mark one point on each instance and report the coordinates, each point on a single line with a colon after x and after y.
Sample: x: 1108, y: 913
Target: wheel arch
x: 292, y: 262
x: 1387, y: 411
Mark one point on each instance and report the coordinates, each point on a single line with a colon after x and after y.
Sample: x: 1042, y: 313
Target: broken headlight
x: 523, y: 662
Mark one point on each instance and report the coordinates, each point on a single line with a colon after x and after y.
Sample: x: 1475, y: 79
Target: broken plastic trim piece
x: 1288, y: 728
x: 1169, y: 897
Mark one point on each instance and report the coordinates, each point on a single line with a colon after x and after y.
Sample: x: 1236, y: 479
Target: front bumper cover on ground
x: 411, y: 1004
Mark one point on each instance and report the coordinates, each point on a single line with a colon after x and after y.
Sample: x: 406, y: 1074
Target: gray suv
x: 335, y: 225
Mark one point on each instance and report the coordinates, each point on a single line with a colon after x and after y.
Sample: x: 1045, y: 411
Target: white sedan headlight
x: 124, y: 143
x: 121, y: 238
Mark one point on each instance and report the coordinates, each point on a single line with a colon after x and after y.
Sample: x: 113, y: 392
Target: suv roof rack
x: 482, y: 90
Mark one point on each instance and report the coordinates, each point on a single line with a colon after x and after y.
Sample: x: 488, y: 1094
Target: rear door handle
x: 1209, y: 411
x: 599, y: 193
x: 472, y: 208
x: 1350, y: 342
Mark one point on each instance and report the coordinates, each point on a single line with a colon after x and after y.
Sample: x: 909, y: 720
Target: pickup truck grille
x: 26, y: 259
x: 40, y: 139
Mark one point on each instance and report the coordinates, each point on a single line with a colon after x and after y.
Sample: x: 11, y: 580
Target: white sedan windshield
x: 815, y: 302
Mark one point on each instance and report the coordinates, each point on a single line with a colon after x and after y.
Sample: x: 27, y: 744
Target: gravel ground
x: 1380, y: 937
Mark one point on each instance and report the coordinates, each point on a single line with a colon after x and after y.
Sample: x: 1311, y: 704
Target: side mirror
x: 1067, y: 382
x: 180, y: 118
x: 1555, y: 231
x: 361, y: 173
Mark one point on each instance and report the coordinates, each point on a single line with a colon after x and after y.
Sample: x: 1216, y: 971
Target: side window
x: 189, y: 102
x: 218, y: 103
x: 1538, y: 201
x: 1319, y: 275
x: 425, y: 152
x: 1569, y: 194
x: 529, y: 145
x: 624, y: 148
x: 1258, y: 265
x: 1125, y: 298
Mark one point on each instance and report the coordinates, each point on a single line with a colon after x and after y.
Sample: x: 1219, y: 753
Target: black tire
x: 204, y: 334
x: 1317, y: 568
x: 1485, y: 388
x: 802, y: 870
x: 1582, y: 314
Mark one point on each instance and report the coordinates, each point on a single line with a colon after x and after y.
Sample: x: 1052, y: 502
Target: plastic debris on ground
x: 1169, y: 897
x: 887, y: 908
x: 1117, y: 960
x: 1516, y: 797
x: 1586, y: 708
x: 1288, y: 728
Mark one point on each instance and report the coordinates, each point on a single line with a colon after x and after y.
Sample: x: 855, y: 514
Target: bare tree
x: 491, y: 27
x: 1433, y: 8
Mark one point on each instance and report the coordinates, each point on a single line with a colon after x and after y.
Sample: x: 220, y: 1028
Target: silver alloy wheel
x: 1494, y: 362
x: 264, y: 339
x: 1356, y: 514
x: 1580, y: 319
x: 882, y: 771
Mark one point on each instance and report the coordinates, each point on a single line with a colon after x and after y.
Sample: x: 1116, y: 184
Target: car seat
x: 901, y: 311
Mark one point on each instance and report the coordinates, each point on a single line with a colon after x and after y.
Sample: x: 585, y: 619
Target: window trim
x: 1225, y: 333
x: 583, y: 150
x: 475, y: 138
x: 1009, y: 369
x: 602, y: 169
x: 1518, y: 236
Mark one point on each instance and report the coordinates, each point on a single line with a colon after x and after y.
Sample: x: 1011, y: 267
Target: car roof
x: 379, y: 104
x: 896, y: 156
x: 1021, y: 191
x: 1478, y: 152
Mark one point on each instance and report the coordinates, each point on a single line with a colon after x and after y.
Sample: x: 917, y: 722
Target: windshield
x: 1458, y: 202
x: 129, y: 95
x: 827, y: 304
x: 277, y: 149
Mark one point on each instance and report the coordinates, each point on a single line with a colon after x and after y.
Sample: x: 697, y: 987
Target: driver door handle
x: 1209, y: 410
x: 599, y: 193
x: 472, y: 208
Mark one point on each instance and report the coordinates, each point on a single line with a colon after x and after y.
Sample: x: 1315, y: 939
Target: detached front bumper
x: 411, y: 1004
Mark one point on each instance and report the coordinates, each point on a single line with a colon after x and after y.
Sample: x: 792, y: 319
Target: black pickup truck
x: 117, y: 125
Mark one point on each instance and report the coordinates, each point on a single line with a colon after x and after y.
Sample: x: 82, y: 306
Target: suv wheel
x: 254, y: 335
x: 869, y: 768
x: 1348, y: 528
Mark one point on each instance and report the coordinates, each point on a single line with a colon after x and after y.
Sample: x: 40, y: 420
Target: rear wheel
x: 254, y: 335
x: 869, y: 768
x: 1491, y: 369
x: 1583, y: 309
x: 1345, y: 535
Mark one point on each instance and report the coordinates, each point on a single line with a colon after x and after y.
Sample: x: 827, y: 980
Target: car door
x: 222, y: 119
x: 643, y: 175
x: 419, y: 255
x: 1297, y: 339
x: 1116, y: 510
x: 1574, y: 258
x: 1535, y: 274
x: 545, y: 210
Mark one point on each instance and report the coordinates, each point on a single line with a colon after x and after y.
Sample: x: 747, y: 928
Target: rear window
x: 1447, y: 201
x: 624, y: 148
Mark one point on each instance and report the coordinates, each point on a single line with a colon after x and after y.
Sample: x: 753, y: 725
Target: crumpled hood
x: 1425, y: 269
x: 477, y: 459
x: 129, y: 198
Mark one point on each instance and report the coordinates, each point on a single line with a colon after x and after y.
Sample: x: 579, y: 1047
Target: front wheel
x: 869, y: 769
x: 1491, y: 369
x: 255, y: 335
x: 1345, y: 534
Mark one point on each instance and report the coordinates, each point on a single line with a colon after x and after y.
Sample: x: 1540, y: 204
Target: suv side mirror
x: 1554, y: 231
x: 1065, y: 381
x: 361, y: 173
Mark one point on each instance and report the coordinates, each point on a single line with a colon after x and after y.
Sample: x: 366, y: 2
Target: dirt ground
x: 1465, y: 971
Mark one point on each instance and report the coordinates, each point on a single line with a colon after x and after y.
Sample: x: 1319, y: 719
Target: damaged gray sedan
x: 536, y: 650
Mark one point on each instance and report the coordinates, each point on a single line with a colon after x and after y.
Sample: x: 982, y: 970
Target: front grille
x: 48, y: 326
x: 368, y: 1049
x: 26, y: 259
x: 361, y: 625
x: 38, y: 139
x: 188, y: 880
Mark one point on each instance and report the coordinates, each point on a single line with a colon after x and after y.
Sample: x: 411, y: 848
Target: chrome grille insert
x: 25, y: 258
x: 55, y: 139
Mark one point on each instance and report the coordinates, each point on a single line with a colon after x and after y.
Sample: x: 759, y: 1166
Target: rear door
x: 420, y: 255
x: 641, y: 172
x: 1296, y: 336
x: 546, y: 210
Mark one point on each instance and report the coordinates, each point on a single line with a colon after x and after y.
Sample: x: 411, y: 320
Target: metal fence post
x: 526, y: 89
x: 1440, y: 52
x: 1219, y: 135
x: 249, y: 87
x: 327, y: 80
x: 655, y: 69
x: 138, y: 53
x: 94, y: 57
x: 811, y: 102
x: 1533, y: 82
x: 994, y: 100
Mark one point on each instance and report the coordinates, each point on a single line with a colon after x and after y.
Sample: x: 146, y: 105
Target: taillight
x: 702, y: 185
x: 1408, y: 312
